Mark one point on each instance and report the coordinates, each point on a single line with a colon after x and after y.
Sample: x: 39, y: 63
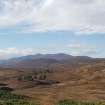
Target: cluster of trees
x: 32, y: 77
x: 36, y: 75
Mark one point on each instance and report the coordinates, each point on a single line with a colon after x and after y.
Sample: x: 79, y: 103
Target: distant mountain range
x: 45, y: 60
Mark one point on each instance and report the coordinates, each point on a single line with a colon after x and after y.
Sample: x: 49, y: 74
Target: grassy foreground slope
x: 70, y: 102
x: 85, y: 82
x: 9, y: 98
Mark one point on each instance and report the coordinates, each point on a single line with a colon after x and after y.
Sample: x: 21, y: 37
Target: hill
x: 50, y: 79
x: 47, y: 60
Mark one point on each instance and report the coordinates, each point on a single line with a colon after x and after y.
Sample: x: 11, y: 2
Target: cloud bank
x: 14, y: 52
x: 82, y: 49
x: 80, y: 16
x: 73, y: 49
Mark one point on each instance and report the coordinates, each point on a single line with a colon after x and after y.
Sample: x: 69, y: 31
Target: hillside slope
x: 47, y: 60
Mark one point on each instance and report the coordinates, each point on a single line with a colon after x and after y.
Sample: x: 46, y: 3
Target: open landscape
x: 46, y: 79
x: 52, y: 52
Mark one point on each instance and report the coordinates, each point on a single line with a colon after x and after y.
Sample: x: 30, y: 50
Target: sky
x: 75, y: 27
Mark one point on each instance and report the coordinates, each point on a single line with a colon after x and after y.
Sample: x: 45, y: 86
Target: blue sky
x: 13, y: 44
x: 75, y: 27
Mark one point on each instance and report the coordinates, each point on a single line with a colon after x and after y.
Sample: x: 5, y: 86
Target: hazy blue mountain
x: 45, y: 60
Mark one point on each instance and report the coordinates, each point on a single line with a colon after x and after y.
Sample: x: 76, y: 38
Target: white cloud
x: 76, y: 46
x: 75, y: 49
x: 14, y: 52
x: 82, y: 49
x: 81, y: 16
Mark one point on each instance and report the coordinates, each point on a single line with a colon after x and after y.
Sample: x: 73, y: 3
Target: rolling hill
x: 47, y: 60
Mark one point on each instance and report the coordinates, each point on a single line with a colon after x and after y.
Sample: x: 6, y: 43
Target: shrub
x: 9, y: 98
